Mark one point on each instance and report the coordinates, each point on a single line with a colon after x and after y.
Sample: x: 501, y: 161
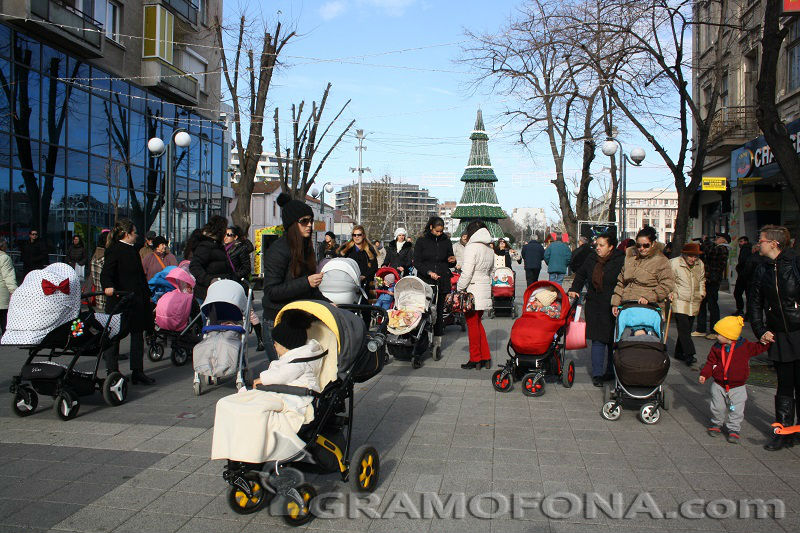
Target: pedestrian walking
x: 557, y: 257
x: 399, y: 253
x: 715, y: 258
x: 476, y: 278
x: 8, y: 282
x: 147, y: 249
x: 745, y: 251
x: 728, y: 363
x: 77, y: 256
x: 380, y: 251
x: 35, y: 253
x: 532, y: 255
x: 504, y: 255
x: 458, y: 249
x: 327, y: 249
x: 159, y: 259
x: 599, y: 273
x: 433, y: 258
x: 239, y: 248
x: 775, y: 318
x: 209, y: 261
x: 580, y: 254
x: 360, y: 249
x: 646, y: 277
x: 690, y: 288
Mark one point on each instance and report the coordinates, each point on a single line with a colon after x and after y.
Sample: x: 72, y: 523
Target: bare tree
x: 294, y: 168
x: 251, y: 105
x: 381, y: 210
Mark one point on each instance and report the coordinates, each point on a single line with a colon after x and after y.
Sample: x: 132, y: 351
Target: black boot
x: 259, y: 336
x: 138, y: 376
x: 784, y: 414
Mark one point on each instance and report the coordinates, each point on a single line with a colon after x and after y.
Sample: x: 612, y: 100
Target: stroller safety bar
x: 238, y: 329
x: 636, y: 303
x: 289, y: 389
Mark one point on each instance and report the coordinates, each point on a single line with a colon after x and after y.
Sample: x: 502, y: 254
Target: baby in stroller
x: 385, y: 280
x: 177, y: 315
x: 545, y: 300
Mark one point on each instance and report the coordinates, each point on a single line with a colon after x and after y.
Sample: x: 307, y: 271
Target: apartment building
x: 657, y: 208
x: 86, y: 84
x: 446, y: 212
x: 752, y: 191
x: 267, y: 169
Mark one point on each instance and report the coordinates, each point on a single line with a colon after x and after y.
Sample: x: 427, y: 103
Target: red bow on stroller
x: 50, y: 288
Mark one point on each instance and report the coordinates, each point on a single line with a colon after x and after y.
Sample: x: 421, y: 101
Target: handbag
x: 460, y: 302
x: 576, y: 332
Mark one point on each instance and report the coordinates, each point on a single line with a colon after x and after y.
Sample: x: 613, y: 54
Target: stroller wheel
x: 609, y: 412
x: 533, y: 384
x: 649, y: 413
x: 416, y: 363
x: 25, y: 401
x: 115, y: 389
x: 240, y: 502
x: 666, y: 399
x: 198, y: 388
x: 297, y: 513
x: 155, y: 352
x: 67, y: 405
x: 568, y: 373
x: 180, y: 355
x: 365, y: 469
x: 502, y: 381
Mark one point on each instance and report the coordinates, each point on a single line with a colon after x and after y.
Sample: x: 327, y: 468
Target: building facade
x: 267, y: 169
x: 446, y: 212
x: 265, y: 211
x: 85, y: 85
x: 657, y: 208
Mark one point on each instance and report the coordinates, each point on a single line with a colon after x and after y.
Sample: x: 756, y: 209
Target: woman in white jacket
x: 476, y: 278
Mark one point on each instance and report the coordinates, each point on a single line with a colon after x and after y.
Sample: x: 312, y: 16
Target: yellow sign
x: 715, y: 184
x: 748, y: 181
x: 270, y: 230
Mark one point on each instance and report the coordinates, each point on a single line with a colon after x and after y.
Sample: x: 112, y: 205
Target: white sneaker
x: 698, y: 334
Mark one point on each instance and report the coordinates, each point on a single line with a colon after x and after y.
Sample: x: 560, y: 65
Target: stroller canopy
x: 227, y: 298
x: 411, y: 293
x: 343, y: 347
x: 639, y: 317
x: 179, y: 278
x: 383, y: 271
x: 341, y: 281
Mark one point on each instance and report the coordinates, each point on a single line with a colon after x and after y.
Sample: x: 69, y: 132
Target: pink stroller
x: 178, y: 319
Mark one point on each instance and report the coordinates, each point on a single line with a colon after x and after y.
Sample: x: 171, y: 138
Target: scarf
x: 399, y: 245
x: 597, y: 273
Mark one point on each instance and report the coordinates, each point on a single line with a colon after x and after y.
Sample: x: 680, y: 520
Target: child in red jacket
x: 729, y: 364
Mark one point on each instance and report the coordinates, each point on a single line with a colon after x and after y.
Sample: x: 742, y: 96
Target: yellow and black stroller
x: 268, y: 469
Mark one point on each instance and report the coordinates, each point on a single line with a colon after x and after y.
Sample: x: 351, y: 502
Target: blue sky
x: 415, y: 104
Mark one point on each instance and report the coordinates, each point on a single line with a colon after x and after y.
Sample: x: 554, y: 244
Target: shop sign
x: 791, y: 7
x: 714, y: 183
x: 754, y: 159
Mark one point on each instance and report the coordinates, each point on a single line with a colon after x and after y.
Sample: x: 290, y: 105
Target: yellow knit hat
x: 730, y: 327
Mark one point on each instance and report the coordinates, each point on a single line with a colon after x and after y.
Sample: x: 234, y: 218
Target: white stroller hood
x: 225, y: 291
x: 341, y: 281
x: 412, y: 294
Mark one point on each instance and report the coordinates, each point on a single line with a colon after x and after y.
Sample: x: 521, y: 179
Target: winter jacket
x: 476, y: 271
x: 8, y: 279
x: 77, y: 255
x: 597, y: 306
x: 647, y: 277
x: 286, y: 370
x: 458, y: 251
x: 739, y: 366
x: 715, y: 259
x: 326, y: 253
x: 239, y: 253
x: 533, y: 255
x: 122, y: 271
x: 557, y: 256
x: 744, y: 254
x: 380, y: 255
x: 35, y: 255
x: 775, y: 292
x: 209, y: 262
x: 153, y: 266
x: 579, y: 255
x: 368, y: 266
x: 280, y: 286
x: 506, y: 259
x: 690, y: 286
x: 144, y: 251
x: 430, y: 255
x: 402, y: 259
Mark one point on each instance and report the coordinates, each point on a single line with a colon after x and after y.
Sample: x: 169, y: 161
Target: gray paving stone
x: 181, y: 503
x: 147, y: 522
x: 41, y: 514
x: 128, y: 497
x: 95, y: 519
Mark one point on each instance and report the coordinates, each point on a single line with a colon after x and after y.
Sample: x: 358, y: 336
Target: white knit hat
x: 400, y: 231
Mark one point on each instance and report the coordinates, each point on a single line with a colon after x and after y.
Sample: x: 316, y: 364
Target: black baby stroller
x: 323, y: 444
x: 641, y: 364
x: 45, y: 318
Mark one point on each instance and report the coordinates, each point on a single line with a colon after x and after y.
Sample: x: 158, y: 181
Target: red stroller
x: 537, y: 346
x: 503, y: 293
x: 450, y: 317
x: 384, y: 288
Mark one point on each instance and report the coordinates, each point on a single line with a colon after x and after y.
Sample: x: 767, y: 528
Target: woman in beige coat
x: 8, y: 282
x: 690, y: 289
x: 476, y: 278
x: 646, y: 276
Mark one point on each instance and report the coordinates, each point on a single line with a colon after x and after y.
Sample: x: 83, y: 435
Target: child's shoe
x: 733, y: 438
x: 714, y: 431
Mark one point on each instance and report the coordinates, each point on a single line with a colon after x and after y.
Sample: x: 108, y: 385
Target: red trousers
x: 478, y: 344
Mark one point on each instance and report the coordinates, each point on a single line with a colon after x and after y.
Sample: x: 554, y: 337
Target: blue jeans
x: 601, y: 354
x: 558, y: 277
x: 269, y: 346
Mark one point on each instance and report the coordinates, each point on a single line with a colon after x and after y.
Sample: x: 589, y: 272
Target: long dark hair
x: 215, y: 228
x: 301, y: 250
x: 191, y: 243
x: 433, y: 222
x: 474, y: 226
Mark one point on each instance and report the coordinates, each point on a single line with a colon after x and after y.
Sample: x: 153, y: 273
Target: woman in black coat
x: 399, y: 253
x: 599, y: 272
x: 774, y: 293
x: 122, y: 271
x: 209, y: 260
x: 433, y: 258
x: 239, y: 249
x: 290, y: 266
x: 77, y: 254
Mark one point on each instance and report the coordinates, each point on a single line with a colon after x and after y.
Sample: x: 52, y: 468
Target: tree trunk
x: 769, y: 119
x: 685, y: 197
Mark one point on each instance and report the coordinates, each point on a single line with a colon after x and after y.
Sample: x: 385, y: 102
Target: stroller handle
x: 383, y: 323
x: 636, y: 302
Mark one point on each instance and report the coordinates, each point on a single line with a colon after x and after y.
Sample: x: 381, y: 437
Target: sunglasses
x: 230, y: 235
x: 644, y: 245
x: 357, y: 235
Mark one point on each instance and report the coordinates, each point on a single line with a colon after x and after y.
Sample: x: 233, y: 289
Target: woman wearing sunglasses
x: 362, y: 252
x: 646, y: 276
x: 290, y: 265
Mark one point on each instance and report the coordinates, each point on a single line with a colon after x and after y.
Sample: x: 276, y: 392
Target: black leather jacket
x: 280, y: 285
x: 775, y: 293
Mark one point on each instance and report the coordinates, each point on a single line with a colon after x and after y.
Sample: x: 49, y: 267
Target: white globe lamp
x: 156, y: 146
x: 183, y: 139
x: 637, y: 154
x: 314, y: 192
x: 609, y: 148
x: 328, y: 188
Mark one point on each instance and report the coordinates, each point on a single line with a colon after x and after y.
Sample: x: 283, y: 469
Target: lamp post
x: 327, y: 188
x: 609, y: 148
x: 181, y: 138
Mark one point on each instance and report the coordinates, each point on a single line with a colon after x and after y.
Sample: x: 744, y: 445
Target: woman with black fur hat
x: 290, y: 264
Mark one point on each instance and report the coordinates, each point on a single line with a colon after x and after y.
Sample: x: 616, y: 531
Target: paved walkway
x: 143, y: 467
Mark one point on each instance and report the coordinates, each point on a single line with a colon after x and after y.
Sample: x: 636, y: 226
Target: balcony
x: 68, y: 26
x: 168, y: 79
x: 186, y: 9
x: 731, y: 128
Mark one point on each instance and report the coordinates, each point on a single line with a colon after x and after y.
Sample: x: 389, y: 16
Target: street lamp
x: 180, y: 138
x: 609, y: 148
x: 327, y: 188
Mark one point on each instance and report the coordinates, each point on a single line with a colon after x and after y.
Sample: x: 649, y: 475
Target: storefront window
x: 101, y: 126
x: 793, y: 57
x: 78, y: 120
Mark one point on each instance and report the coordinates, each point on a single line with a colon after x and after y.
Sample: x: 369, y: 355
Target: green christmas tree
x: 479, y: 200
